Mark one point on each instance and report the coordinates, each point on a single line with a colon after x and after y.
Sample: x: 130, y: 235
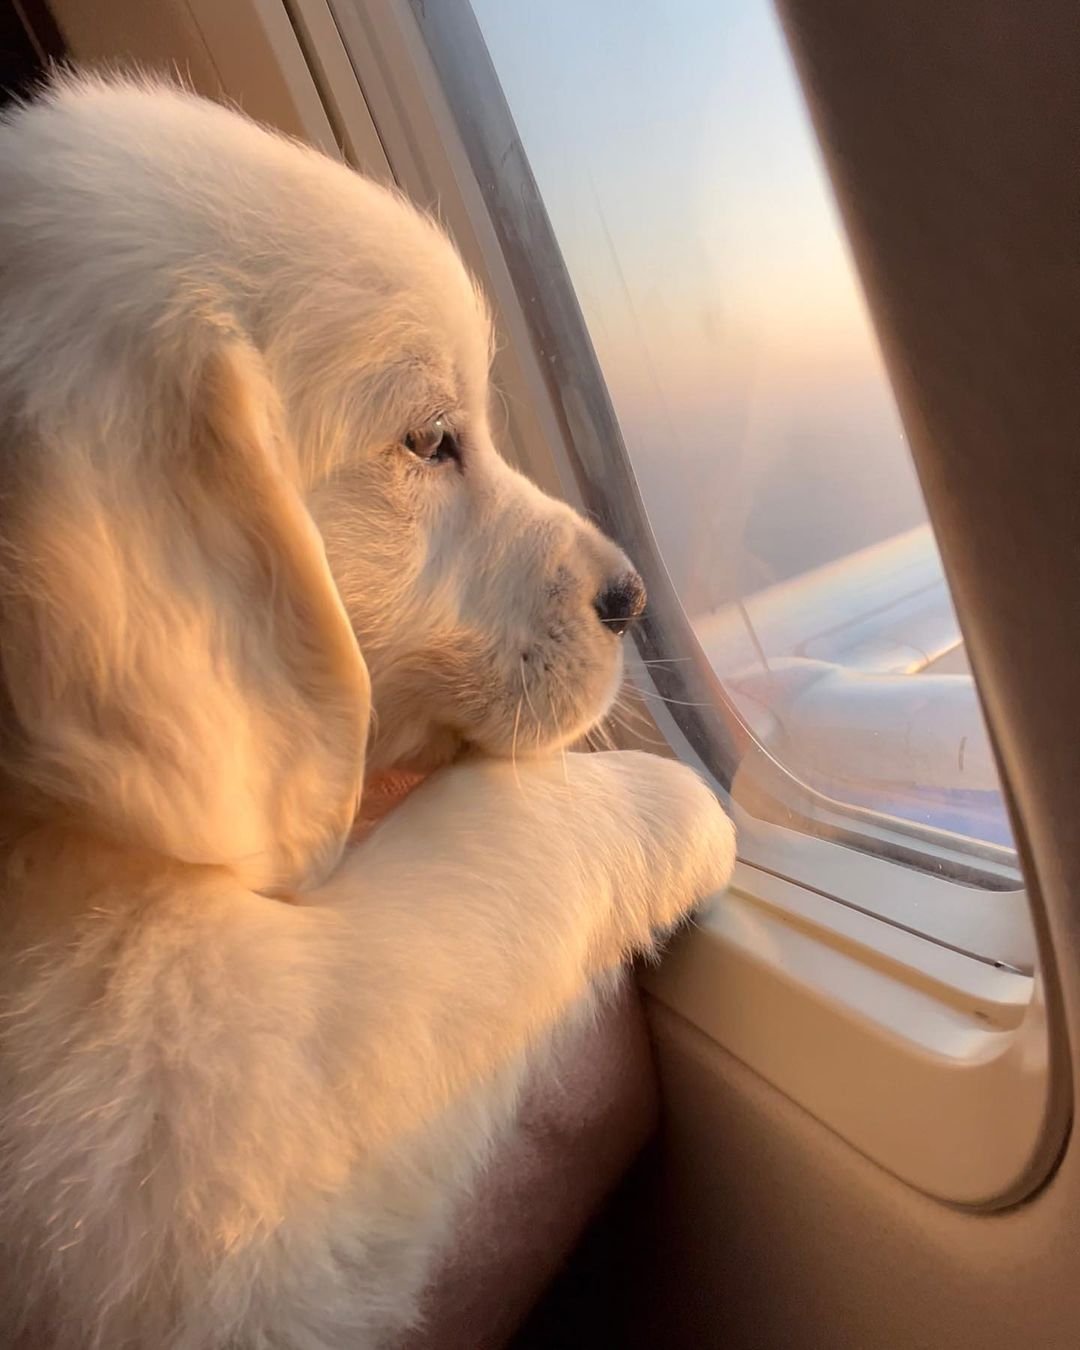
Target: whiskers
x: 554, y: 716
x: 513, y: 743
x: 621, y: 623
x: 599, y: 737
x: 528, y: 699
x: 630, y: 713
x: 664, y: 661
x: 674, y: 702
x: 525, y: 700
x: 628, y: 722
x: 628, y: 717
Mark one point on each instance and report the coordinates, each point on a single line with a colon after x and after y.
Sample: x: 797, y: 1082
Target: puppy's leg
x: 484, y: 906
x: 232, y: 1121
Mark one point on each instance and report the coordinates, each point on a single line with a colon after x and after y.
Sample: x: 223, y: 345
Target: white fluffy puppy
x: 255, y: 542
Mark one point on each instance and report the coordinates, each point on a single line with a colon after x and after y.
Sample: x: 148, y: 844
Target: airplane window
x: 677, y: 165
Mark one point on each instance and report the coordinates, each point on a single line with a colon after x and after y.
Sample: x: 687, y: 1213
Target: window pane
x: 681, y: 175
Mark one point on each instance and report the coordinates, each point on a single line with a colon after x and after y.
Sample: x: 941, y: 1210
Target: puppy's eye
x: 434, y: 443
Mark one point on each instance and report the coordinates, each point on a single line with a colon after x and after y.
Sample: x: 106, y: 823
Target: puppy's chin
x: 407, y: 741
x: 419, y: 755
x: 527, y: 744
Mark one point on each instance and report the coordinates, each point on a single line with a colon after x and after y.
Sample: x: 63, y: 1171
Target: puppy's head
x: 246, y: 438
x: 489, y: 614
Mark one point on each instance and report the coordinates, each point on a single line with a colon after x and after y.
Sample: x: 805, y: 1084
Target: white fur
x: 244, y: 1068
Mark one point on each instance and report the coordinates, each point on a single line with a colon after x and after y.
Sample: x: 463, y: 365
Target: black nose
x: 621, y: 602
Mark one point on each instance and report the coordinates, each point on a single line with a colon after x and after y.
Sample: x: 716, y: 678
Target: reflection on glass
x: 674, y: 155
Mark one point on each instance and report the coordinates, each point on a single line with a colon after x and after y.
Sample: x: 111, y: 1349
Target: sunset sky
x: 673, y: 152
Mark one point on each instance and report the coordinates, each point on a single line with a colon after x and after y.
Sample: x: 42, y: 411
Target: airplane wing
x: 854, y: 676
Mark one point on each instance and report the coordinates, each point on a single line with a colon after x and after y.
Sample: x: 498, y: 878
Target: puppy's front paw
x: 687, y: 840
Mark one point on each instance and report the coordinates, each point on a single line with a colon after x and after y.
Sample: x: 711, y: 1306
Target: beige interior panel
x: 242, y: 50
x: 770, y: 1231
x: 159, y: 36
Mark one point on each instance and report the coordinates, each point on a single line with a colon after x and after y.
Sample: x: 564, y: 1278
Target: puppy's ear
x: 178, y: 669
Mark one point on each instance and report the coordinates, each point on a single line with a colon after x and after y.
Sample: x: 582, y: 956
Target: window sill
x: 990, y: 925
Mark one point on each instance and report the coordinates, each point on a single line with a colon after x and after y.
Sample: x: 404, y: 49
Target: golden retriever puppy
x: 256, y: 545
